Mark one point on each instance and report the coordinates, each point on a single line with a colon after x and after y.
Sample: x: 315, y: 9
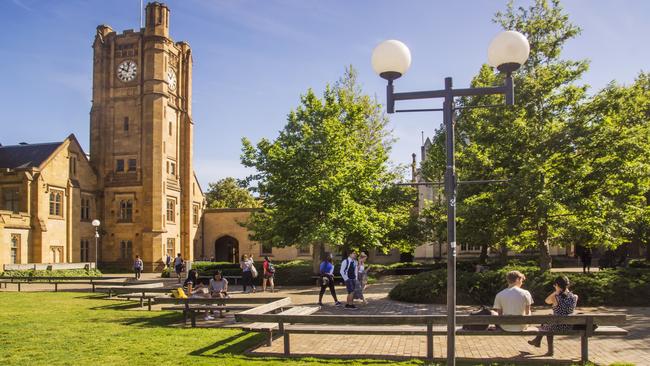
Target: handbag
x: 254, y: 271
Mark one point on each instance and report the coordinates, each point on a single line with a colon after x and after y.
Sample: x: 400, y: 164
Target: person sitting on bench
x: 564, y: 303
x: 218, y: 286
x: 514, y: 301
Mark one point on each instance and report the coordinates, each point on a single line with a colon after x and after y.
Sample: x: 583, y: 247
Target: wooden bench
x: 269, y: 328
x: 430, y: 325
x: 56, y: 282
x: 191, y: 310
x: 132, y: 288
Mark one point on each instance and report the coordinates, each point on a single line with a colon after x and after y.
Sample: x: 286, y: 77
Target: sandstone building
x: 138, y: 179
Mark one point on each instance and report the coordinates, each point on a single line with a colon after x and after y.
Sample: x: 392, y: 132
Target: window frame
x: 14, y: 199
x: 126, y: 249
x: 263, y: 251
x: 169, y: 252
x: 134, y: 166
x: 14, y: 248
x: 171, y: 210
x: 56, y: 204
x: 126, y: 211
x: 119, y: 165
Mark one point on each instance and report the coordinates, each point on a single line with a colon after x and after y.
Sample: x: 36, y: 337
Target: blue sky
x: 253, y: 59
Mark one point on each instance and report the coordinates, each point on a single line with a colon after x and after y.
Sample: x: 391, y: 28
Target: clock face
x: 127, y: 70
x: 171, y: 79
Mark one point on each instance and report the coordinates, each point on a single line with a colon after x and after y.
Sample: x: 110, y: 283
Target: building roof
x: 25, y: 156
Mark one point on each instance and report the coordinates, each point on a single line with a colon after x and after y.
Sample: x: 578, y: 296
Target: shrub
x: 640, y: 263
x: 623, y: 287
x: 53, y: 273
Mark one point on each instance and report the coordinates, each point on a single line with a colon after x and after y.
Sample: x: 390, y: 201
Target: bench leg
x: 193, y: 317
x: 584, y: 349
x: 430, y: 341
x: 149, y: 304
x: 269, y: 338
x: 287, y: 349
x: 141, y: 302
x: 93, y: 286
x: 221, y: 314
x: 56, y: 287
x: 18, y: 286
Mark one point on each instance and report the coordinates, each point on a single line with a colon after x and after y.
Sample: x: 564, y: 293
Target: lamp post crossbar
x: 458, y: 183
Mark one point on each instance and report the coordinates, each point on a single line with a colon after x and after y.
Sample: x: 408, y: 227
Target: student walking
x: 178, y: 266
x: 137, y: 267
x: 362, y: 278
x: 585, y: 258
x: 247, y: 268
x: 326, y: 273
x: 564, y: 303
x: 269, y: 274
x: 168, y: 261
x: 349, y: 274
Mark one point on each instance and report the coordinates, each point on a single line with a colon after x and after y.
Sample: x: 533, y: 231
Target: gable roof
x: 26, y: 156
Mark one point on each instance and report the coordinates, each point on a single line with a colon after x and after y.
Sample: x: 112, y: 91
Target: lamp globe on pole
x: 508, y: 51
x: 96, y: 224
x: 391, y: 59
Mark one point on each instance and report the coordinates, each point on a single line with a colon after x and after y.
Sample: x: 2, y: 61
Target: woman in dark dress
x: 564, y: 303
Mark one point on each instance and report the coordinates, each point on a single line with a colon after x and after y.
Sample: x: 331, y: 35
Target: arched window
x: 126, y: 210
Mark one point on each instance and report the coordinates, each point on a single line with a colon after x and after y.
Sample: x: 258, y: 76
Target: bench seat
x: 191, y: 310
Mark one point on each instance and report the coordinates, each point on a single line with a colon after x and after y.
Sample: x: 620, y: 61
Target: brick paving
x: 634, y: 348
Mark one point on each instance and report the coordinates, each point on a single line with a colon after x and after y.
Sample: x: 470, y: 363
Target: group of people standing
x: 249, y: 273
x: 355, y: 276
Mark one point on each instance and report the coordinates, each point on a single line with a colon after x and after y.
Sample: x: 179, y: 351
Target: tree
x: 229, y: 193
x: 325, y: 178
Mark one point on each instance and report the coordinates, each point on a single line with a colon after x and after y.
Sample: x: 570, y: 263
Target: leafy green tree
x: 325, y: 179
x: 229, y: 193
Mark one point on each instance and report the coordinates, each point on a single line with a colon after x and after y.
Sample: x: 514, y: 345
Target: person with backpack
x: 178, y: 266
x: 349, y: 273
x: 269, y: 273
x: 326, y: 273
x: 137, y: 267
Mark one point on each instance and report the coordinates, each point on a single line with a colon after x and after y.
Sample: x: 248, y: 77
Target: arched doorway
x: 226, y: 249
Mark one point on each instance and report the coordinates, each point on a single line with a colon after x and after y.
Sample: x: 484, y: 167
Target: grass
x: 81, y: 329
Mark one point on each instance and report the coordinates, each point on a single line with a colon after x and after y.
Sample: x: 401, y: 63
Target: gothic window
x: 126, y: 211
x: 73, y: 165
x: 126, y: 249
x: 464, y: 247
x: 85, y: 209
x: 132, y: 165
x: 266, y: 249
x: 56, y: 203
x: 11, y: 199
x: 171, y: 210
x: 120, y: 165
x: 195, y: 214
x: 15, y: 249
x: 84, y: 250
x: 170, y: 247
x: 172, y: 169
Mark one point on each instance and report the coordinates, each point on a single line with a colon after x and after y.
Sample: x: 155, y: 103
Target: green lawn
x: 82, y: 329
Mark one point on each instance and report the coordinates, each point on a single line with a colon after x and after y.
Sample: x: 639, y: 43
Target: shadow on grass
x: 163, y: 320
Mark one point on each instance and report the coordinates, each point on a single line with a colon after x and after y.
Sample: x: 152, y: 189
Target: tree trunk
x: 542, y: 245
x: 317, y: 256
x: 482, y: 259
x: 503, y: 254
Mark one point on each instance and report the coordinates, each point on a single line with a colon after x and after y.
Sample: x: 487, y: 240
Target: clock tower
x: 141, y: 143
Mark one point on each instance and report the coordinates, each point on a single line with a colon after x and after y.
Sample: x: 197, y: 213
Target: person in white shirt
x: 514, y: 301
x: 349, y: 273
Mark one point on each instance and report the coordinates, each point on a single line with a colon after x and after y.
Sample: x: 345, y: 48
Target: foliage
x: 229, y: 193
x: 623, y: 287
x: 53, y: 273
x: 577, y: 167
x: 39, y: 328
x: 325, y: 178
x: 640, y: 263
x: 295, y: 272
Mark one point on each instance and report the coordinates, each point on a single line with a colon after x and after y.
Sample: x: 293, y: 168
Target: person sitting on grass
x: 564, y: 303
x: 514, y: 300
x: 218, y: 286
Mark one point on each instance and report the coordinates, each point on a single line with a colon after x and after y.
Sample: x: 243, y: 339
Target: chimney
x: 23, y: 143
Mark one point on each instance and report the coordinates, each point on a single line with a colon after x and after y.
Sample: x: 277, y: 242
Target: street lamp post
x: 96, y: 224
x: 391, y: 59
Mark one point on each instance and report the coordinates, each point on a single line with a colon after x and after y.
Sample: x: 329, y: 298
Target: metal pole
x: 96, y: 245
x: 450, y: 192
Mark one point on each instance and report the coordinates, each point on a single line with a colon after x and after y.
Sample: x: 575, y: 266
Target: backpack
x: 349, y: 269
x: 484, y: 310
x: 179, y: 293
x: 270, y: 268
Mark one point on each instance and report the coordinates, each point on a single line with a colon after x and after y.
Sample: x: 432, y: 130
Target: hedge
x: 622, y: 287
x: 296, y: 272
x: 53, y: 273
